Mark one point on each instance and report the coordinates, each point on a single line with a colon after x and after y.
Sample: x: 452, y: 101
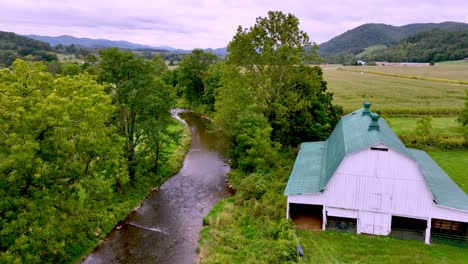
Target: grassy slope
x: 335, y: 247
x: 445, y: 126
x: 445, y: 71
x: 392, y: 94
x: 454, y: 163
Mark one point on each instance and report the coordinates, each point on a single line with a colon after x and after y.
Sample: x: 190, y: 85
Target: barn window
x: 379, y: 149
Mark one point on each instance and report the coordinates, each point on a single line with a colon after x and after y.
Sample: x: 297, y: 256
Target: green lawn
x: 336, y: 247
x: 394, y: 95
x: 457, y: 62
x: 454, y: 163
x: 442, y: 126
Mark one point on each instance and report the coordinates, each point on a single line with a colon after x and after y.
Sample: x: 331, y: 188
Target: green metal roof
x: 444, y: 190
x: 317, y: 161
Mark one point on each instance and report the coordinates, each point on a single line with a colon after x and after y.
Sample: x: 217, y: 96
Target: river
x: 166, y: 227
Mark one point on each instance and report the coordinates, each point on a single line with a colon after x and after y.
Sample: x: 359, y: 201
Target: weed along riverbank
x: 166, y: 227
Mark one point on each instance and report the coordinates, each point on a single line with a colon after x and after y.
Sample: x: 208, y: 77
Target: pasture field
x: 444, y: 126
x: 394, y: 95
x: 452, y: 72
x: 454, y: 163
x: 337, y: 247
x: 457, y: 62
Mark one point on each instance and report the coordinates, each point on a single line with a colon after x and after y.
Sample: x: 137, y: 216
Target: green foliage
x: 345, y: 47
x: 61, y: 161
x: 463, y: 118
x: 192, y: 75
x: 431, y: 46
x: 143, y: 102
x: 57, y: 156
x: 265, y: 72
x: 424, y: 126
x: 13, y: 46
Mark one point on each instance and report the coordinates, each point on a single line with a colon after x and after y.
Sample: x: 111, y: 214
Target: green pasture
x: 454, y: 72
x: 444, y: 126
x: 337, y: 247
x: 454, y: 163
x: 394, y: 95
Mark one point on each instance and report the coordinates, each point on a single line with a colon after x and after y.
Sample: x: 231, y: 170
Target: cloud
x: 210, y: 23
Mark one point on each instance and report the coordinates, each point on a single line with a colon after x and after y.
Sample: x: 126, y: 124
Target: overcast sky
x: 210, y: 23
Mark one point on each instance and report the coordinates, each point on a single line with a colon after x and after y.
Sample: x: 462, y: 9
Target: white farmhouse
x: 363, y: 179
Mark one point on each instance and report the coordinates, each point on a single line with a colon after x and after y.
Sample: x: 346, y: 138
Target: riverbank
x: 132, y: 197
x: 165, y: 228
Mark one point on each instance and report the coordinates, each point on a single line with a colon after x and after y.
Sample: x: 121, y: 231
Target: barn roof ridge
x: 318, y: 161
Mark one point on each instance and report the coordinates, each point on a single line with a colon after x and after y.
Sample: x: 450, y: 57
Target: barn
x: 363, y: 179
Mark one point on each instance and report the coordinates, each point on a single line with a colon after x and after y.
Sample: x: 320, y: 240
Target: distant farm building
x: 360, y: 62
x: 385, y: 63
x: 363, y: 179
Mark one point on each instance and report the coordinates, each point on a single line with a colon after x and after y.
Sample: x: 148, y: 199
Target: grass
x: 441, y: 126
x: 457, y: 62
x: 454, y: 163
x: 393, y: 95
x: 370, y: 50
x: 336, y: 247
x: 443, y: 72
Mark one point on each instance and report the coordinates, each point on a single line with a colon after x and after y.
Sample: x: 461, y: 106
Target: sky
x: 210, y: 23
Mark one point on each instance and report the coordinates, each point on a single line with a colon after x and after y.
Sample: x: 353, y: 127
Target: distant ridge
x: 104, y: 43
x: 356, y: 40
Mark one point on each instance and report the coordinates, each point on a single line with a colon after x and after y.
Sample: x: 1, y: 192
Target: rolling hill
x: 104, y: 43
x: 13, y: 46
x: 358, y: 39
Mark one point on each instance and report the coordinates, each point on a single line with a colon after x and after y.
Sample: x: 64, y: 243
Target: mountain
x: 13, y: 46
x: 428, y: 46
x: 94, y: 43
x: 356, y: 40
x: 104, y: 43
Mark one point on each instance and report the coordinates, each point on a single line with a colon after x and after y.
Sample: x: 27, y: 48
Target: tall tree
x: 270, y: 58
x: 58, y: 157
x: 140, y: 96
x: 192, y: 74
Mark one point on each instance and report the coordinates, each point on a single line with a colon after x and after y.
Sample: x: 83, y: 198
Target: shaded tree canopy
x: 267, y: 60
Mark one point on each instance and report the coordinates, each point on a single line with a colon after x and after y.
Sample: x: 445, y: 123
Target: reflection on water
x: 165, y: 229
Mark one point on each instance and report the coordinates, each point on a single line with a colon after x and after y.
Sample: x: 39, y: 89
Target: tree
x: 58, y: 158
x: 192, y: 74
x: 270, y: 57
x: 424, y: 126
x: 142, y: 99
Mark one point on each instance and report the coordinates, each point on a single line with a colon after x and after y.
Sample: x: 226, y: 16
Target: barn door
x: 366, y: 222
x: 373, y: 223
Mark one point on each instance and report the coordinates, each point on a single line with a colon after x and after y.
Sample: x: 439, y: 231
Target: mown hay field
x: 395, y: 95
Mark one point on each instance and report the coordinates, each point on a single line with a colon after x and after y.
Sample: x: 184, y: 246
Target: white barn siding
x: 372, y: 186
x: 380, y: 181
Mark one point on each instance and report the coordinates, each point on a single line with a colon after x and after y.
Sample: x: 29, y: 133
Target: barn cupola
x: 374, y: 124
x: 366, y: 111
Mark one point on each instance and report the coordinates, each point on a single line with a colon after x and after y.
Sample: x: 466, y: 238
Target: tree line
x: 72, y: 145
x: 431, y: 46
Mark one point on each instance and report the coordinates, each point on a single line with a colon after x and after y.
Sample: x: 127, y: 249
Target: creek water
x: 166, y: 227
